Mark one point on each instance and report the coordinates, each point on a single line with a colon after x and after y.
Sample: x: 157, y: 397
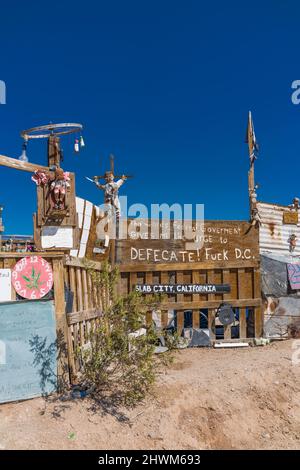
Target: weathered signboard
x: 5, y: 285
x: 198, y: 280
x: 291, y: 218
x: 183, y: 288
x: 222, y: 242
x: 27, y: 350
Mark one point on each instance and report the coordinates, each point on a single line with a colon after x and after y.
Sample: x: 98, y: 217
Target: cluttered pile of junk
x: 279, y: 248
x: 241, y: 287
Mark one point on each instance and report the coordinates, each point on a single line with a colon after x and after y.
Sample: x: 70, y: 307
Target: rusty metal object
x: 274, y: 235
x: 44, y: 132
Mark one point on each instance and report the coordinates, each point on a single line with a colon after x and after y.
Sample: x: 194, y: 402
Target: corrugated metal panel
x: 273, y: 234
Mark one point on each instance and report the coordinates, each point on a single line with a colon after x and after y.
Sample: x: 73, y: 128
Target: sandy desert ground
x: 207, y: 399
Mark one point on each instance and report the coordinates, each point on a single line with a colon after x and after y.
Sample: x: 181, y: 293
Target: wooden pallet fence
x: 244, y: 294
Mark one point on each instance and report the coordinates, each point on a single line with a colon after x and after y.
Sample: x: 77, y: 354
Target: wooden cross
x: 112, y: 170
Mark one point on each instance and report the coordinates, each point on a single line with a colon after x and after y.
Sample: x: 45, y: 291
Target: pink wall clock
x: 32, y: 277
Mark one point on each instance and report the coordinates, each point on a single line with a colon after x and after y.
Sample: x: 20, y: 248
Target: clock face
x: 32, y: 277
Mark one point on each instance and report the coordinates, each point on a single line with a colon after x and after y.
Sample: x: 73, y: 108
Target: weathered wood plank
x: 211, y: 280
x: 61, y: 325
x: 196, y: 319
x: 226, y: 280
x: 186, y: 266
x: 258, y: 314
x: 210, y: 304
x: 242, y: 323
x: 73, y: 287
x: 179, y: 280
x: 19, y: 165
x: 44, y: 254
x: 196, y: 280
x: 180, y: 321
x: 258, y: 322
x: 132, y: 281
x: 79, y: 289
x: 164, y: 318
x: 211, y: 323
x: 82, y: 263
x: 85, y: 290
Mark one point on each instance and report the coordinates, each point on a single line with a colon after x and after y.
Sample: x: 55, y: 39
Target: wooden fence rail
x: 244, y: 293
x: 78, y: 300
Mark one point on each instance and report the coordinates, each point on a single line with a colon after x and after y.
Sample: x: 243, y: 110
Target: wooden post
x: 211, y: 323
x: 54, y: 151
x: 252, y: 145
x: 180, y: 321
x: 242, y: 323
x: 63, y: 348
x: 258, y: 317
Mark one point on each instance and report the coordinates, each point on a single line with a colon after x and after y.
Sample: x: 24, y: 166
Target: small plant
x: 33, y: 281
x: 119, y: 357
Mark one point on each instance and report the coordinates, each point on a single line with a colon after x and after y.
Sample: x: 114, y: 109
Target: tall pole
x: 252, y: 146
x: 1, y: 226
x: 54, y: 152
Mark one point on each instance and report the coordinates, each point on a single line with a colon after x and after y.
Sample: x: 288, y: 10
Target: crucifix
x: 111, y: 198
x: 111, y: 187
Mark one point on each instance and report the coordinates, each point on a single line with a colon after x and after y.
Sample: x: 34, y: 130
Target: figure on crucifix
x: 111, y: 187
x: 111, y: 190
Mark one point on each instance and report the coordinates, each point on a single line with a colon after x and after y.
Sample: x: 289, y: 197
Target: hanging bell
x: 81, y: 142
x: 76, y: 146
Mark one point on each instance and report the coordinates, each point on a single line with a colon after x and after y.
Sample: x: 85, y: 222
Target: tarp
x: 27, y: 350
x: 274, y: 278
x: 286, y: 314
x: 279, y: 281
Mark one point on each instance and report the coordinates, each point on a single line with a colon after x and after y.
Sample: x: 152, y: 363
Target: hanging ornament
x: 81, y: 142
x: 76, y: 146
x: 23, y: 157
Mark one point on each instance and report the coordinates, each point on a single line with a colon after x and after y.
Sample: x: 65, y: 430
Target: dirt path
x: 208, y: 399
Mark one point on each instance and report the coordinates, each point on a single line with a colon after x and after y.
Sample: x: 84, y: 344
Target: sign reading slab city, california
x: 183, y: 288
x: 221, y: 242
x: 32, y: 277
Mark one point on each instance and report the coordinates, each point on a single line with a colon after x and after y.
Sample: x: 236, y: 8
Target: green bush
x: 114, y: 361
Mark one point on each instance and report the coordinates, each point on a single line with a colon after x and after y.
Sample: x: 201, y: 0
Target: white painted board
x: 5, y: 285
x: 57, y: 237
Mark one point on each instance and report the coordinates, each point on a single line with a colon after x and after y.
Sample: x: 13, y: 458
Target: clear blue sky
x: 164, y: 85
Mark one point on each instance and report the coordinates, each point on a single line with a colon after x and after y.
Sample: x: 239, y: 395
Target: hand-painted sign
x: 5, y: 285
x: 294, y: 275
x: 221, y: 242
x: 28, y: 350
x: 290, y: 218
x: 182, y: 288
x: 32, y: 277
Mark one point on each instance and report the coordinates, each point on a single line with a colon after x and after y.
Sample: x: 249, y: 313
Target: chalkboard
x: 27, y: 350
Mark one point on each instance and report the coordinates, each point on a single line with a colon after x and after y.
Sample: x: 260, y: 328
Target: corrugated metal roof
x: 273, y: 234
